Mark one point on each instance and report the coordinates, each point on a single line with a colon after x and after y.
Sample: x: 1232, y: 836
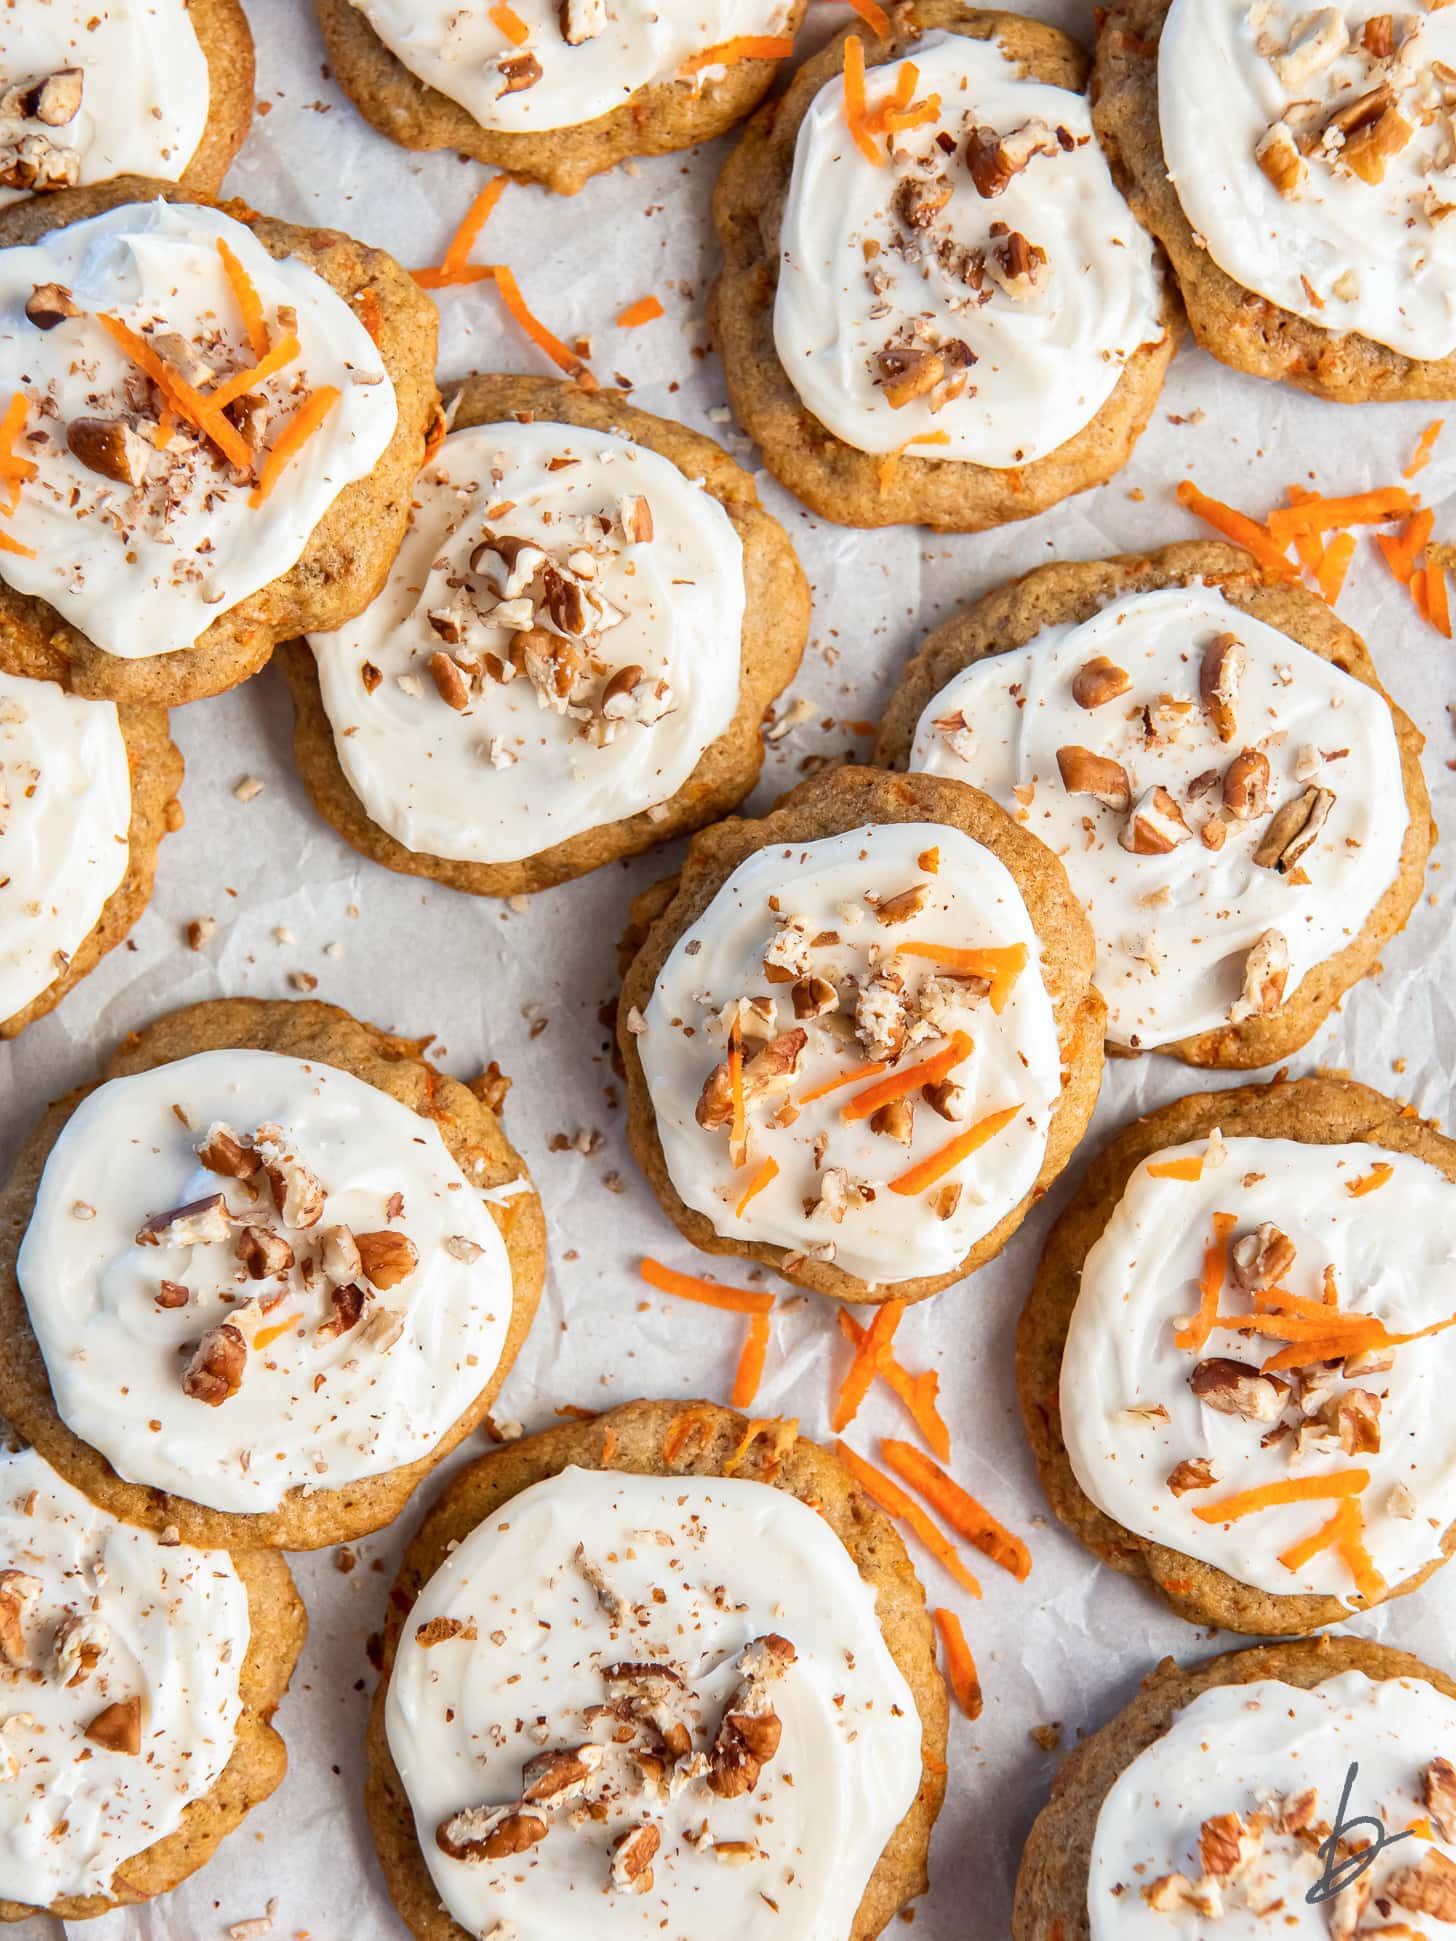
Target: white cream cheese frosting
x: 679, y: 1575
x: 105, y: 1616
x: 1262, y: 1767
x: 572, y: 676
x: 65, y: 813
x: 145, y: 568
x: 824, y: 982
x: 142, y: 103
x: 367, y: 1288
x: 904, y: 310
x: 1136, y: 1407
x: 580, y: 58
x: 1175, y: 927
x: 1347, y: 230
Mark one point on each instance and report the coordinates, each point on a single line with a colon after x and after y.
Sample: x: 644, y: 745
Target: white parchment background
x: 1071, y: 1643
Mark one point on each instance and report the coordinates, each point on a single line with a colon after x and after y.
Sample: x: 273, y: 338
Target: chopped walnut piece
x: 1261, y: 1259
x: 297, y: 1192
x: 767, y: 1074
x: 1246, y: 785
x: 109, y: 447
x: 1227, y: 1845
x: 1197, y: 1472
x: 223, y: 1152
x: 1438, y: 1790
x: 518, y: 72
x: 581, y: 20
x: 387, y: 1257
x: 215, y: 1372
x: 1017, y: 265
x: 945, y: 1199
x: 172, y: 1294
x: 907, y: 372
x: 35, y: 163
x: 17, y: 1587
x: 814, y: 997
x: 1176, y: 1894
x: 489, y: 1833
x: 1367, y: 151
x: 1084, y: 773
x: 1238, y: 1388
x: 263, y: 1253
x: 1354, y: 1416
x: 900, y: 909
x: 79, y: 1646
x: 50, y: 304
x: 346, y: 1305
x: 1266, y: 973
x: 1220, y: 673
x: 198, y: 1224
x: 554, y: 1778
x: 895, y: 1121
x: 656, y: 1697
x: 1427, y: 1888
x: 119, y: 1727
x: 632, y: 1856
x: 1099, y: 681
x: 1155, y: 826
x: 748, y: 1736
x: 1277, y: 154
x: 918, y: 202
x: 55, y: 100
x: 994, y: 159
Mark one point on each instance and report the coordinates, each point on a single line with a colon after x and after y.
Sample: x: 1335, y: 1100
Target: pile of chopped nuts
x: 74, y: 1654
x: 32, y: 160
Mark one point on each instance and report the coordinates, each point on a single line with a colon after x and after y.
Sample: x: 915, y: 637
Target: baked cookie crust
x: 656, y: 120
x: 223, y: 34
x: 1234, y: 324
x: 1316, y: 1111
x: 1056, y: 1865
x: 278, y: 1626
x: 775, y: 628
x: 829, y: 804
x: 155, y: 766
x: 350, y: 551
x: 1073, y: 591
x: 834, y: 479
x: 640, y: 1433
x: 467, y: 1119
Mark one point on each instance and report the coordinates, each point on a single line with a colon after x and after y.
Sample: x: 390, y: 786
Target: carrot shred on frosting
x: 687, y: 1287
x: 301, y: 426
x: 868, y: 1362
x: 1290, y: 1489
x: 644, y: 310
x: 245, y: 292
x: 1239, y: 527
x: 1330, y: 573
x: 766, y: 1173
x: 873, y: 16
x: 1357, y: 1559
x: 14, y: 470
x: 967, y: 1517
x: 1370, y: 1182
x: 1215, y: 1272
x: 875, y: 1066
x: 743, y: 47
x: 928, y: 1072
x: 854, y: 101
x: 510, y: 23
x: 1319, y: 514
x: 265, y: 1337
x: 896, y: 123
x: 919, y: 1393
x: 1189, y: 1168
x: 1401, y: 550
x: 950, y: 1155
x: 960, y: 1666
x: 9, y: 545
x: 1001, y: 965
x: 896, y: 101
x: 241, y: 382
x: 738, y: 1129
x: 1298, y: 1554
x: 750, y: 1363
x: 190, y: 404
x: 892, y: 1498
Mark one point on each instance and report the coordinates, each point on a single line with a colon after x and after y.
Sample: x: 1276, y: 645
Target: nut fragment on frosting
x: 802, y: 1034
x: 704, y: 1733
x: 981, y: 287
x: 288, y: 1282
x: 558, y: 644
x: 1216, y: 720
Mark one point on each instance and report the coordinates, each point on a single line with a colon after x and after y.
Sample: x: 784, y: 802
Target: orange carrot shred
x: 1331, y: 1288
x: 687, y: 1287
x: 301, y: 426
x: 845, y: 1078
x: 1001, y: 965
x: 1401, y: 551
x: 241, y: 382
x: 1330, y: 575
x: 918, y: 1392
x: 681, y: 1428
x: 738, y: 1130
x: 454, y: 278
x: 369, y: 315
x: 510, y: 23
x: 896, y: 122
x: 928, y: 1072
x: 892, y: 1498
x: 1306, y: 544
x: 1368, y: 1580
x: 854, y: 100
x: 1369, y: 1182
x: 197, y: 409
x: 926, y: 437
x: 766, y: 1173
x: 458, y: 249
x: 1319, y: 514
x: 248, y: 301
x: 1298, y: 1554
x: 1291, y: 1489
x: 266, y: 1336
x: 873, y: 16
x: 750, y: 1362
x: 1244, y: 531
x: 645, y: 310
x: 9, y: 545
x: 1438, y: 606
x: 743, y: 47
x: 14, y: 470
x: 609, y: 1445
x: 785, y: 1430
x: 957, y: 1507
x: 1425, y: 445
x: 166, y: 425
x: 1190, y: 1168
x: 887, y: 467
x: 868, y: 1361
x: 960, y: 1666
x: 563, y: 358
x: 1215, y: 1271
x: 950, y: 1155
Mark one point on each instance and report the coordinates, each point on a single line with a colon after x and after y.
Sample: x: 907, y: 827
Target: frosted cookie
x: 555, y: 91
x: 93, y: 89
x: 209, y: 425
x: 860, y: 1040
x: 1212, y: 1805
x: 573, y: 653
x: 138, y: 1679
x: 1236, y: 1360
x: 88, y: 791
x: 264, y: 1275
x: 1302, y: 202
x: 956, y: 322
x: 1237, y: 803
x: 670, y: 1667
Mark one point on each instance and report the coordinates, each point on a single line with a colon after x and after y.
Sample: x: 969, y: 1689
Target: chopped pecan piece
x: 1099, y: 681
x: 895, y: 1121
x: 79, y: 1646
x: 489, y: 1833
x: 1084, y: 773
x: 994, y: 159
x: 1354, y: 1416
x: 1438, y: 1787
x: 1246, y: 785
x: 1427, y: 1888
x: 907, y: 372
x: 900, y: 909
x: 54, y: 100
x: 387, y: 1257
x: 109, y: 447
x: 1196, y: 1472
x: 554, y: 1778
x: 767, y: 1073
x: 1155, y: 826
x: 35, y: 163
x: 17, y: 1587
x: 1372, y: 146
x: 1261, y: 1259
x: 50, y: 304
x: 215, y: 1372
x: 1219, y: 674
x: 634, y: 514
x: 1021, y: 263
x: 118, y: 1728
x: 581, y: 20
x: 656, y: 1697
x: 346, y: 1304
x: 298, y: 1193
x: 450, y: 683
x: 198, y: 1224
x: 551, y: 663
x: 1266, y: 973
x: 1238, y: 1388
x: 918, y: 201
x: 1227, y: 1845
x: 1277, y: 154
x: 1377, y: 36
x: 880, y: 1018
x: 263, y: 1253
x: 1176, y: 1894
x: 814, y: 997
x: 223, y: 1152
x: 749, y: 1735
x: 518, y: 72
x: 632, y: 1855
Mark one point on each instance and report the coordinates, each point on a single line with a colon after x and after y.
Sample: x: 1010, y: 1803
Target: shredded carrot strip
x: 888, y: 466
x: 609, y: 1445
x: 1292, y: 1489
x: 458, y: 249
x: 1330, y: 575
x: 1306, y: 544
x: 854, y: 100
x: 1001, y: 965
x: 454, y: 278
x: 564, y: 359
x: 1245, y: 532
x: 301, y: 426
x: 265, y: 1336
x: 1369, y: 1182
x: 241, y: 382
x: 369, y: 315
x: 744, y: 47
x: 844, y: 1078
x: 645, y: 310
x: 929, y: 860
x: 899, y: 98
x: 750, y: 1362
x: 1331, y: 1289
x: 1418, y: 595
x: 917, y: 1392
x: 13, y: 469
x: 435, y: 437
x: 1190, y: 1168
x: 738, y: 1129
x: 767, y: 1172
x: 574, y: 1412
x: 510, y: 23
x: 197, y: 409
x: 868, y: 1361
x: 1215, y: 1271
x: 891, y: 1497
x: 927, y: 438
x: 1283, y: 1327
x: 873, y: 16
x: 928, y: 1072
x: 166, y: 425
x: 1425, y: 445
x: 248, y: 301
x: 1438, y: 606
x: 1328, y: 1348
x: 1299, y: 1554
x: 896, y: 124
x: 950, y: 1155
x: 1326, y: 1310
x: 1319, y: 514
x: 9, y: 545
x: 960, y: 1666
x: 1401, y: 551
x: 687, y: 1287
x: 681, y: 1428
x: 958, y: 1508
x: 1357, y: 1560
